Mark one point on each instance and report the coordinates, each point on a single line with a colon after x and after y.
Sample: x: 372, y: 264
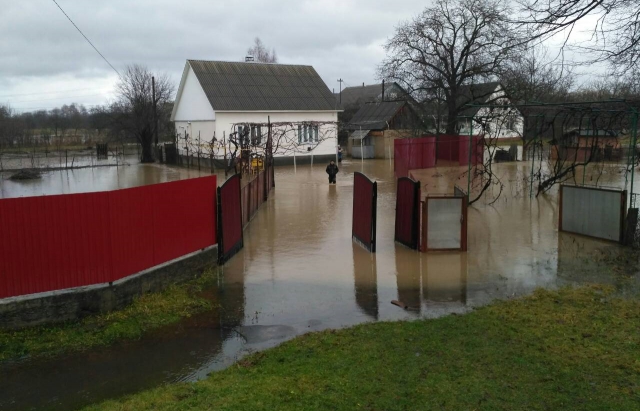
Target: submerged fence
x: 364, y: 217
x: 413, y: 154
x: 256, y: 192
x: 594, y: 212
x: 427, y: 152
x: 63, y: 241
x: 408, y: 212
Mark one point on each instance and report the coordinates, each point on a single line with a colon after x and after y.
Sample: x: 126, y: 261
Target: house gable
x: 191, y: 102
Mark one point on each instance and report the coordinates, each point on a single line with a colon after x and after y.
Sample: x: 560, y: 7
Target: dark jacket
x: 332, y: 169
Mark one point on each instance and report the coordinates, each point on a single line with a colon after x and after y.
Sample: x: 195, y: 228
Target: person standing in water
x: 339, y: 154
x: 332, y: 170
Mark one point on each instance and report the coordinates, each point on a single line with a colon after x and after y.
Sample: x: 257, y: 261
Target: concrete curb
x: 74, y: 303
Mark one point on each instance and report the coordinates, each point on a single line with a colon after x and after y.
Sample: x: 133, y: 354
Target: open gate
x: 365, y: 195
x: 408, y: 212
x: 230, y: 238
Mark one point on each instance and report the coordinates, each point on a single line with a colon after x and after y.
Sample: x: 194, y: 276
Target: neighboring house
x: 215, y: 95
x: 591, y: 138
x: 588, y: 145
x: 359, y: 95
x: 374, y: 127
x: 493, y: 122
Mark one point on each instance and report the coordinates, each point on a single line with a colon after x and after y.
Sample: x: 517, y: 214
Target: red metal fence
x: 365, y: 195
x: 56, y: 242
x: 407, y: 212
x: 256, y: 192
x: 455, y: 149
x: 426, y: 152
x: 230, y: 239
x: 413, y: 154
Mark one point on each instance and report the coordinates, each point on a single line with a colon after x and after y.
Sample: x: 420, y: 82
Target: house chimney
x: 363, y: 84
x: 383, y: 90
x: 248, y: 59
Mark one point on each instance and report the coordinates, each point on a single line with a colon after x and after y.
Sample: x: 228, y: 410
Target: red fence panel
x: 365, y: 193
x: 55, y: 242
x: 132, y: 226
x: 185, y: 217
x: 448, y: 148
x: 407, y: 212
x: 477, y: 149
x: 413, y: 154
x: 244, y: 205
x: 230, y: 239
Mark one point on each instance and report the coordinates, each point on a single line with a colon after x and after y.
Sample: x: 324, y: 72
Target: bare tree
x: 260, y: 53
x: 615, y: 36
x: 449, y: 45
x: 134, y: 110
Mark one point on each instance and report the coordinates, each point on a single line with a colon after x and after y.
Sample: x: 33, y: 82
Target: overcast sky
x: 46, y: 63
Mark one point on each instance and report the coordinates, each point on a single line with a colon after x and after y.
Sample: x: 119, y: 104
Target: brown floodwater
x: 301, y: 272
x: 102, y: 178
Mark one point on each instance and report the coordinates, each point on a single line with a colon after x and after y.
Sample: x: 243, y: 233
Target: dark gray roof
x: 261, y: 87
x: 359, y: 95
x: 374, y: 116
x: 476, y: 94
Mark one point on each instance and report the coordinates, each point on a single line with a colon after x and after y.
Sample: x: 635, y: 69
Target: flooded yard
x: 300, y: 271
x: 103, y: 178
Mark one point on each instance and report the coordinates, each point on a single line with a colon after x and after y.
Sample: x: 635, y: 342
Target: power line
x: 85, y: 37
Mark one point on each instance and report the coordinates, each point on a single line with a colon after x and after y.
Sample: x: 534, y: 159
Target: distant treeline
x: 71, y: 124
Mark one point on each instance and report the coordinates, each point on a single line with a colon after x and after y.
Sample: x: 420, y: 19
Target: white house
x: 493, y: 113
x: 217, y: 97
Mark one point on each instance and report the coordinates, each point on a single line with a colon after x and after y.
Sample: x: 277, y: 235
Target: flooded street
x: 300, y: 271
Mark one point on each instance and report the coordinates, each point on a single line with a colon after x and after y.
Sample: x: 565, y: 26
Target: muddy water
x: 301, y: 272
x: 95, y: 179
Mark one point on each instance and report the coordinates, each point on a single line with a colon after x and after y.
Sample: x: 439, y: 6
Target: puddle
x: 301, y: 272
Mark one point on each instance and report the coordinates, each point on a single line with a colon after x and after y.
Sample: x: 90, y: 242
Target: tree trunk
x: 452, y: 119
x: 452, y: 113
x: 146, y: 141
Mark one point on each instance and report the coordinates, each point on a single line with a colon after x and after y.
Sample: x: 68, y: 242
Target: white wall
x: 204, y: 129
x: 193, y: 104
x: 495, y: 121
x: 225, y: 121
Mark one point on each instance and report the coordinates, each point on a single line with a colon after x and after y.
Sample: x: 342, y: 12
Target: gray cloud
x: 42, y: 51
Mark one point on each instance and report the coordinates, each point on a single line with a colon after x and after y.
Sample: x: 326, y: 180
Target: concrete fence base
x: 74, y: 303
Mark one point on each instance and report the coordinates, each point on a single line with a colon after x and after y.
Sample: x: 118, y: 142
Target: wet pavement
x: 301, y: 272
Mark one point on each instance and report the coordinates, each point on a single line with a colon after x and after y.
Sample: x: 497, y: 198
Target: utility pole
x: 340, y: 81
x: 155, y: 113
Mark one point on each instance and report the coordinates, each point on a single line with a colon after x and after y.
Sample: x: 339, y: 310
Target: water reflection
x: 444, y: 278
x: 365, y: 280
x: 408, y: 277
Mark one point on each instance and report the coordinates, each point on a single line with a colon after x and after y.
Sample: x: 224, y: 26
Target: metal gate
x: 365, y: 195
x: 444, y: 223
x: 230, y: 238
x: 407, y: 212
x: 593, y: 211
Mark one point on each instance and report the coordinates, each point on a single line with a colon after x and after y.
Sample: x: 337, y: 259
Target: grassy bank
x: 570, y: 349
x: 147, y: 312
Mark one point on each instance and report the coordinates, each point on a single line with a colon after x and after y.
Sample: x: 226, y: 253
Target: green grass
x: 148, y: 312
x: 568, y: 349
